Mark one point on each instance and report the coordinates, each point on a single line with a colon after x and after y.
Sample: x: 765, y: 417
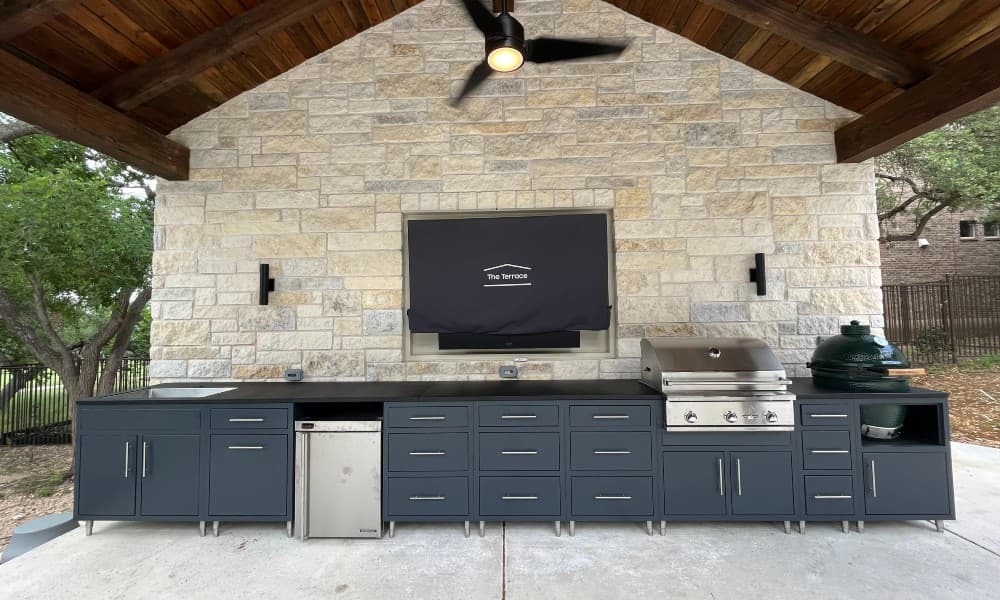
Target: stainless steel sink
x: 187, y: 392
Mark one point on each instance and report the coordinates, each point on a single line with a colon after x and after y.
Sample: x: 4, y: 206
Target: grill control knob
x: 690, y: 417
x: 771, y: 416
x: 730, y: 416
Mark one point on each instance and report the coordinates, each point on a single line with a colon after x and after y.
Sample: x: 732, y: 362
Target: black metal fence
x: 944, y: 321
x: 34, y: 407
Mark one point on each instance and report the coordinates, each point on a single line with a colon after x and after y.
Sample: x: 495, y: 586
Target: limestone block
x: 181, y: 215
x: 382, y: 299
x: 168, y: 368
x: 294, y: 144
x: 259, y: 178
x: 338, y: 219
x: 334, y: 363
x: 250, y: 372
x: 652, y: 310
x: 846, y: 301
x: 711, y: 134
x: 290, y: 246
x: 294, y: 340
x: 180, y: 333
x: 711, y: 312
x: 382, y: 322
x: 209, y: 368
x: 342, y: 303
x: 773, y: 311
x: 266, y: 318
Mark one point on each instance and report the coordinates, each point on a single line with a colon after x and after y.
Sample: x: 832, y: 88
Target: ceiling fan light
x: 505, y: 59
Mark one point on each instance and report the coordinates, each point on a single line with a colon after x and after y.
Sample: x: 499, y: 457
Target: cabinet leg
x: 289, y: 528
x: 802, y: 526
x: 663, y: 528
x: 467, y: 529
x: 215, y: 528
x: 392, y: 529
x: 939, y: 523
x: 572, y: 528
x: 788, y: 526
x: 649, y: 528
x: 861, y: 526
x: 201, y: 528
x: 845, y: 526
x: 482, y: 529
x: 558, y: 528
x: 88, y: 528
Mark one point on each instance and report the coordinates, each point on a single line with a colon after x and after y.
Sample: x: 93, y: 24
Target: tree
x: 956, y: 167
x: 75, y: 257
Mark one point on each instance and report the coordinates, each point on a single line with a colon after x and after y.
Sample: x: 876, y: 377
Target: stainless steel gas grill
x: 719, y: 384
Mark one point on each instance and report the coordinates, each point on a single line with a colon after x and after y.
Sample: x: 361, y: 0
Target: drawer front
x: 829, y: 495
x: 248, y: 475
x: 611, y: 451
x: 428, y: 451
x: 519, y: 451
x: 518, y: 415
x: 138, y: 419
x: 825, y: 414
x: 249, y: 418
x: 609, y: 416
x: 427, y: 416
x: 428, y: 496
x: 519, y: 496
x: 725, y: 438
x: 612, y: 496
x: 826, y: 449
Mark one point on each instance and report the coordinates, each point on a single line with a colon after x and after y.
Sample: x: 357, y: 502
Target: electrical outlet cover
x: 508, y: 372
x: 293, y: 375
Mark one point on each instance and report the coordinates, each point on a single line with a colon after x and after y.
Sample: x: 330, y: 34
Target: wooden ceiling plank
x: 964, y: 88
x: 19, y: 16
x: 67, y: 112
x: 838, y: 41
x: 180, y: 64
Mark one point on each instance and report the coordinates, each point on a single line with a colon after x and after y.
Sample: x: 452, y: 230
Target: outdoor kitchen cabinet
x: 906, y: 483
x: 714, y: 484
x: 761, y: 483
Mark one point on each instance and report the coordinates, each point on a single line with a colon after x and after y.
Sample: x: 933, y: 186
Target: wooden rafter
x: 169, y: 70
x: 36, y: 97
x: 965, y: 87
x: 839, y: 42
x: 18, y: 16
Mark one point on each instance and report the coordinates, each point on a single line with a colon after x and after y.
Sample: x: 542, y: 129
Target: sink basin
x: 187, y: 392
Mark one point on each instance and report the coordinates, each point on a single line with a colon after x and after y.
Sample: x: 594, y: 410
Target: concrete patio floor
x: 732, y: 561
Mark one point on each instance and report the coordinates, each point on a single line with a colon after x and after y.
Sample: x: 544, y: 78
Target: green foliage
x: 139, y: 343
x: 931, y: 342
x: 983, y: 363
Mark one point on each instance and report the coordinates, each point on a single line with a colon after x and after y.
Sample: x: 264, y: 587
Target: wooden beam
x: 839, y: 42
x: 38, y: 98
x: 165, y: 72
x: 965, y: 87
x: 18, y: 16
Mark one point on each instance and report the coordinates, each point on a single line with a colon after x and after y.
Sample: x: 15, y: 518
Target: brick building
x: 958, y: 243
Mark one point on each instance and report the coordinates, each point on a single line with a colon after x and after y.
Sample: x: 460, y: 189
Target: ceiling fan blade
x: 483, y: 17
x: 480, y: 74
x: 543, y: 50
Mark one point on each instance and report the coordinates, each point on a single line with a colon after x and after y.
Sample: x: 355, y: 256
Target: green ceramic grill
x: 857, y: 361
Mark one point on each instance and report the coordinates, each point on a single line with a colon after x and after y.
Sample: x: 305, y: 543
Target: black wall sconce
x: 758, y: 274
x: 266, y: 283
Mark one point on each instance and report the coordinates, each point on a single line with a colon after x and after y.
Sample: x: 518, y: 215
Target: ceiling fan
x: 507, y: 50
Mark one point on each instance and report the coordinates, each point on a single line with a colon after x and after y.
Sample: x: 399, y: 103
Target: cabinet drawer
x: 609, y: 416
x: 138, y: 419
x: 427, y: 416
x: 611, y: 496
x: 248, y: 475
x: 829, y: 495
x: 428, y: 451
x: 825, y: 414
x: 519, y: 496
x: 826, y: 449
x: 611, y: 451
x: 519, y: 451
x: 249, y: 418
x: 428, y: 496
x: 518, y: 415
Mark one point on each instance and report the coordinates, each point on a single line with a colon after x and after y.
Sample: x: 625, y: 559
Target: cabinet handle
x: 519, y: 497
x: 127, y: 446
x: 433, y: 453
x: 721, y: 488
x: 828, y: 416
x: 600, y: 417
x: 245, y: 447
x: 599, y: 452
x: 417, y: 498
x: 519, y: 452
x: 433, y: 418
x: 612, y: 497
x: 828, y: 451
x: 518, y: 416
x: 739, y: 478
x: 832, y: 497
x: 874, y: 487
x: 145, y: 447
x: 255, y: 420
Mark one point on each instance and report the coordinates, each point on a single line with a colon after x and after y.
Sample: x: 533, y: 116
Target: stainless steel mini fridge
x: 338, y: 479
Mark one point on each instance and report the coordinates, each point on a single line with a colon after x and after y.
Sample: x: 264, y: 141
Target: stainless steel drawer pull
x: 518, y: 416
x: 829, y: 451
x: 420, y: 498
x: 254, y: 420
x: 519, y: 497
x: 519, y: 452
x: 245, y: 447
x: 739, y: 478
x: 832, y: 497
x: 721, y: 490
x: 429, y: 453
x: 145, y: 448
x: 434, y: 418
x: 126, y: 458
x: 612, y: 497
x: 874, y: 487
x: 599, y: 452
x: 599, y: 417
x: 828, y: 416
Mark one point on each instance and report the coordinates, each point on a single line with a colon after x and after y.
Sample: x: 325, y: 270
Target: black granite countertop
x: 355, y: 392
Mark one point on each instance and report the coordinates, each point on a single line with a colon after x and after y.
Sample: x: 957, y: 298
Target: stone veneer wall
x: 704, y: 161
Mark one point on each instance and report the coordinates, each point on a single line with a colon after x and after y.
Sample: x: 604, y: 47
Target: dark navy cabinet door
x: 762, y: 483
x: 107, y: 475
x: 169, y: 475
x: 248, y: 475
x: 694, y: 483
x: 906, y: 483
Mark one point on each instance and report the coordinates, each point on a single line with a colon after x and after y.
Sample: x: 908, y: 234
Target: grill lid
x: 710, y: 363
